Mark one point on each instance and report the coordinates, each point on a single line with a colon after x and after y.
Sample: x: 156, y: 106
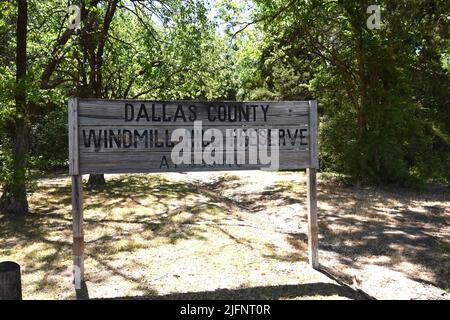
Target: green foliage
x: 49, y: 141
x: 5, y: 163
x: 383, y: 94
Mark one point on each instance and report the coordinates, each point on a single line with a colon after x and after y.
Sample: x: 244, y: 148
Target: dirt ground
x: 234, y: 235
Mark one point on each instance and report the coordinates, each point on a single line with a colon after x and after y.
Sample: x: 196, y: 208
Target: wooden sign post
x: 136, y: 136
x: 313, y: 229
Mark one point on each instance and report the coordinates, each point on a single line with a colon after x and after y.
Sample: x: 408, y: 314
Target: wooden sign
x: 123, y: 136
x: 139, y: 136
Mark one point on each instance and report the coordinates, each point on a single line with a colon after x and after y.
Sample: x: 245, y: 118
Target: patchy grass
x: 217, y: 235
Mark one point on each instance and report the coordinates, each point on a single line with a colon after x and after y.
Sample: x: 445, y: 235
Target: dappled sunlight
x: 178, y: 234
x: 397, y: 225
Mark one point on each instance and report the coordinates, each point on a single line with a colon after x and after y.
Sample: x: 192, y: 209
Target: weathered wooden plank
x: 293, y: 103
x: 129, y: 151
x: 73, y: 136
x: 129, y: 139
x: 154, y: 162
x: 163, y: 113
x: 313, y: 126
x: 313, y: 228
x: 78, y: 232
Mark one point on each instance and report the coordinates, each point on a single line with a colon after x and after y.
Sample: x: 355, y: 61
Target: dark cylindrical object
x: 10, y: 282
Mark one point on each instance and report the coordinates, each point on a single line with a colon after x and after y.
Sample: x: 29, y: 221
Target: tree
x: 374, y: 127
x: 157, y: 60
x: 92, y: 42
x: 14, y: 197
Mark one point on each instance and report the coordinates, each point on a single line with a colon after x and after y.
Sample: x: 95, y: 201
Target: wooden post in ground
x: 77, y: 195
x: 10, y: 282
x: 78, y: 232
x: 313, y: 246
x: 312, y: 219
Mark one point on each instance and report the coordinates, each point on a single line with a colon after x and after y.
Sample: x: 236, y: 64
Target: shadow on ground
x: 279, y: 292
x: 401, y: 225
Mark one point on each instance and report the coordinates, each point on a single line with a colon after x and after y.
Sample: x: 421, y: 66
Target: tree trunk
x: 14, y: 198
x: 96, y: 180
x: 362, y: 121
x: 94, y: 48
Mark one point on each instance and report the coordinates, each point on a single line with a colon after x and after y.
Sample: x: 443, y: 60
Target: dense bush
x: 49, y: 141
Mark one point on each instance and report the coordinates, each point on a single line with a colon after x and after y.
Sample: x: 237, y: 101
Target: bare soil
x: 239, y: 235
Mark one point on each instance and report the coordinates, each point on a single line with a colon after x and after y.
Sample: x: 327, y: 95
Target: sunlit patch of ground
x: 238, y: 235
